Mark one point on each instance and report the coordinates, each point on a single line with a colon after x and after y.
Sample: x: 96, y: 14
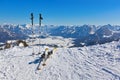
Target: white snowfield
x: 98, y: 62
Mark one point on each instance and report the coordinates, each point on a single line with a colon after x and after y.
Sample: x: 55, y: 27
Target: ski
x: 42, y: 59
x: 40, y: 66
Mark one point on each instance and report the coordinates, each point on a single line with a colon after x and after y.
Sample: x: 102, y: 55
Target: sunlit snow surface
x: 98, y: 62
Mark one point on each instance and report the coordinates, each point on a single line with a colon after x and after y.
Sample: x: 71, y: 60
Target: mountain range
x: 82, y: 35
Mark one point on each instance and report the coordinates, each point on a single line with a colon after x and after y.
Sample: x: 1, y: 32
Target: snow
x: 98, y: 62
x: 11, y: 41
x: 55, y: 41
x: 1, y: 43
x: 21, y: 45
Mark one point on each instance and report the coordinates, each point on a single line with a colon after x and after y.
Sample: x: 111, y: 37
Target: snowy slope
x: 98, y: 62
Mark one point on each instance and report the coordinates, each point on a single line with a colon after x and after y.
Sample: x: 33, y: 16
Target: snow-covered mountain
x: 17, y: 29
x: 8, y: 32
x: 87, y: 34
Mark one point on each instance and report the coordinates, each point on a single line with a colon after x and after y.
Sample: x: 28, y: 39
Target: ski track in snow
x: 98, y: 62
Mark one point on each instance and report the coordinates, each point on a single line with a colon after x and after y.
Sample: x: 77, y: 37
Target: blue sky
x: 57, y: 12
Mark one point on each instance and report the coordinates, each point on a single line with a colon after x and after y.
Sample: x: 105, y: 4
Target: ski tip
x: 54, y: 50
x: 46, y: 49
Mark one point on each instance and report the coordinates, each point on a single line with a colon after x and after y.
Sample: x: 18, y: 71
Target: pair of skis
x: 45, y: 58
